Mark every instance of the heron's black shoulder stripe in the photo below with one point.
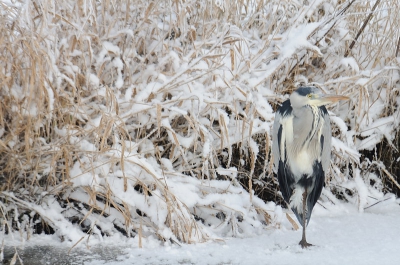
(321, 142)
(280, 141)
(285, 109)
(323, 110)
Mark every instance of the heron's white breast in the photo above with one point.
(301, 163)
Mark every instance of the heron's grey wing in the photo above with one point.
(284, 174)
(277, 138)
(326, 141)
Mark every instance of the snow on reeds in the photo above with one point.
(152, 118)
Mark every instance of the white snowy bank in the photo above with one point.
(343, 236)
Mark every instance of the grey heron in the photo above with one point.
(301, 149)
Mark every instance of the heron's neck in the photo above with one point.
(315, 125)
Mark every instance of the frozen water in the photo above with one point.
(345, 236)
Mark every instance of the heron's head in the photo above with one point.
(312, 96)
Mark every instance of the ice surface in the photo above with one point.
(343, 236)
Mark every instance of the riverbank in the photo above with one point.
(343, 236)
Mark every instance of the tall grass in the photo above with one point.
(152, 118)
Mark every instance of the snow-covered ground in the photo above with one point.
(344, 236)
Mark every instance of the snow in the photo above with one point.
(231, 172)
(351, 63)
(340, 236)
(340, 123)
(338, 145)
(108, 46)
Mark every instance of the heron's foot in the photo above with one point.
(304, 244)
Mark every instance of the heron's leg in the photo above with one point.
(303, 243)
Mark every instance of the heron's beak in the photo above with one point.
(329, 99)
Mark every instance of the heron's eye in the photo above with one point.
(309, 96)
